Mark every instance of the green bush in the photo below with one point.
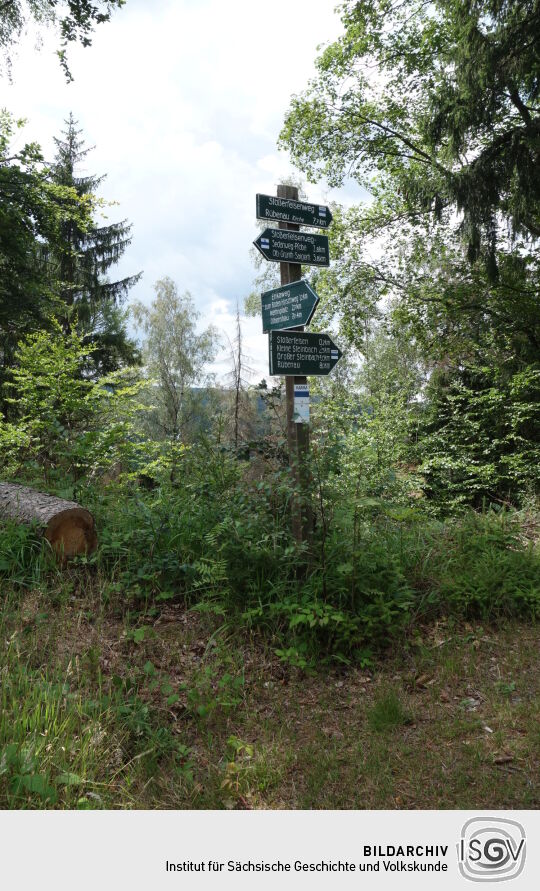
(481, 438)
(478, 566)
(218, 541)
(373, 570)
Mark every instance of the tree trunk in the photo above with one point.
(65, 524)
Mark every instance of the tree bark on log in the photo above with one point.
(65, 524)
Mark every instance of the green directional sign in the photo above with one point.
(284, 246)
(289, 306)
(301, 353)
(285, 210)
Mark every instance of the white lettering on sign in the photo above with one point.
(289, 204)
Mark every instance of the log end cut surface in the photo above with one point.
(66, 525)
(72, 532)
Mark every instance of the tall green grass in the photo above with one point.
(24, 555)
(56, 747)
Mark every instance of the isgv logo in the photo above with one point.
(491, 849)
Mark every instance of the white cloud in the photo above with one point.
(184, 100)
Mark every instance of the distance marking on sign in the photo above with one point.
(289, 306)
(285, 246)
(286, 210)
(301, 353)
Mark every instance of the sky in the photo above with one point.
(183, 101)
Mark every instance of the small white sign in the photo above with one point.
(301, 404)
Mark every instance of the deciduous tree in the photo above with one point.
(75, 21)
(434, 109)
(442, 99)
(176, 357)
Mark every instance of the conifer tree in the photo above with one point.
(34, 211)
(81, 263)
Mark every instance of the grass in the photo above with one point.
(192, 715)
(57, 747)
(115, 694)
(387, 712)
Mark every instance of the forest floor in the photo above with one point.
(182, 713)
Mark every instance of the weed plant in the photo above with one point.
(216, 541)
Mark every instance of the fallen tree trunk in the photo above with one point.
(68, 526)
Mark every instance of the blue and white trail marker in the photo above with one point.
(301, 404)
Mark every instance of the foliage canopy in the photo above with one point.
(75, 20)
(465, 136)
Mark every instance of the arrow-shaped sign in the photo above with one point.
(285, 210)
(301, 353)
(289, 306)
(285, 246)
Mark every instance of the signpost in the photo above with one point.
(302, 353)
(295, 353)
(287, 210)
(288, 306)
(286, 246)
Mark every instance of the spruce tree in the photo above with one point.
(33, 212)
(81, 264)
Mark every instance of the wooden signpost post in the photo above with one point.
(293, 352)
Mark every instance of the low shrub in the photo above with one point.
(479, 566)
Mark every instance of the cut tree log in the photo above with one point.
(65, 524)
